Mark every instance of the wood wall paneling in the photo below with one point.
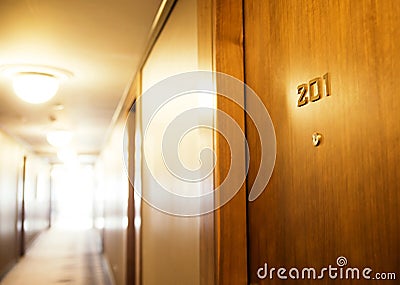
(205, 59)
(230, 220)
(133, 270)
(340, 198)
(170, 243)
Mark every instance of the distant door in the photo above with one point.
(328, 73)
(21, 209)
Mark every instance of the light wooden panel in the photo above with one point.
(170, 243)
(341, 198)
(230, 220)
(205, 61)
(133, 255)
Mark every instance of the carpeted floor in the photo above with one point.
(61, 257)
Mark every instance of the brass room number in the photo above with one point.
(314, 90)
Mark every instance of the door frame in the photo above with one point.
(223, 235)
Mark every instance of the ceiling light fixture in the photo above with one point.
(58, 107)
(67, 155)
(33, 83)
(35, 88)
(59, 138)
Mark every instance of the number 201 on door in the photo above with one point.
(314, 90)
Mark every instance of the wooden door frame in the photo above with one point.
(21, 211)
(134, 235)
(223, 234)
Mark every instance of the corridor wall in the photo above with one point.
(11, 168)
(144, 244)
(170, 241)
(112, 191)
(335, 198)
(35, 217)
(339, 198)
(37, 198)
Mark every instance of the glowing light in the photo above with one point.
(125, 222)
(99, 223)
(68, 156)
(35, 88)
(59, 138)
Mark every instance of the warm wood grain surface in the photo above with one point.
(205, 62)
(341, 198)
(231, 242)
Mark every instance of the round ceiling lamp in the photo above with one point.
(35, 88)
(33, 83)
(59, 138)
(68, 156)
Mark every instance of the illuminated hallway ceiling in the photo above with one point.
(100, 42)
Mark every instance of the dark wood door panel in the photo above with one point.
(340, 198)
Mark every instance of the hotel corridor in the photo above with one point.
(199, 142)
(61, 256)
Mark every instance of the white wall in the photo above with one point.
(113, 189)
(170, 244)
(37, 199)
(11, 162)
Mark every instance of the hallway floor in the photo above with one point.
(61, 257)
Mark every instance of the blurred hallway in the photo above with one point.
(61, 256)
(199, 142)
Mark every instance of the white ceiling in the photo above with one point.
(101, 42)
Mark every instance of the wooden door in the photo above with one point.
(341, 198)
